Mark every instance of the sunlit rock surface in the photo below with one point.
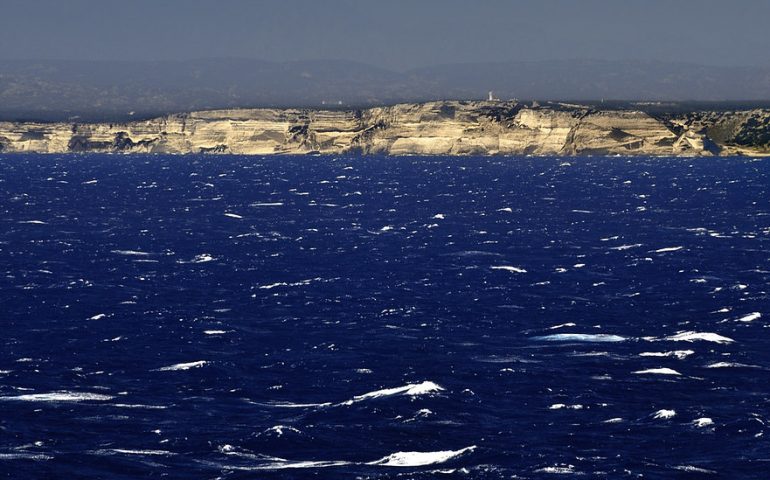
(435, 128)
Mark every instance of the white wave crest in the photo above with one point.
(668, 249)
(695, 336)
(418, 459)
(59, 397)
(658, 371)
(125, 451)
(559, 470)
(412, 389)
(131, 253)
(581, 337)
(703, 422)
(25, 456)
(731, 365)
(508, 268)
(182, 366)
(664, 414)
(678, 354)
(750, 317)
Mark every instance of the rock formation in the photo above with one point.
(435, 128)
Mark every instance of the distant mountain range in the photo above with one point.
(120, 90)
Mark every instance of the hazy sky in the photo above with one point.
(397, 34)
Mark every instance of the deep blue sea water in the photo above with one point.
(315, 317)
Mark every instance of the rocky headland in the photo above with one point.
(433, 128)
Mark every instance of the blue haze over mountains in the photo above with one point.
(101, 59)
(111, 90)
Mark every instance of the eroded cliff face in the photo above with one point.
(436, 128)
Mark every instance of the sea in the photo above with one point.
(296, 317)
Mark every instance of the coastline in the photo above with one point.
(455, 128)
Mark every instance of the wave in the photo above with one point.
(59, 397)
(397, 459)
(202, 258)
(581, 337)
(131, 253)
(695, 336)
(750, 317)
(182, 366)
(295, 405)
(731, 365)
(411, 389)
(678, 354)
(147, 407)
(626, 247)
(124, 451)
(664, 414)
(658, 371)
(508, 268)
(691, 468)
(25, 456)
(420, 459)
(279, 430)
(667, 249)
(560, 469)
(703, 422)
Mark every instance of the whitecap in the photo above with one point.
(702, 422)
(664, 414)
(59, 397)
(296, 405)
(132, 253)
(214, 332)
(412, 389)
(750, 317)
(581, 337)
(731, 365)
(657, 371)
(279, 430)
(559, 470)
(125, 451)
(626, 246)
(691, 468)
(182, 366)
(233, 215)
(33, 222)
(695, 336)
(281, 464)
(139, 406)
(25, 456)
(561, 406)
(98, 316)
(668, 249)
(202, 258)
(508, 268)
(679, 354)
(418, 459)
(556, 327)
(613, 420)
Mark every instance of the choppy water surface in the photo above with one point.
(312, 317)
